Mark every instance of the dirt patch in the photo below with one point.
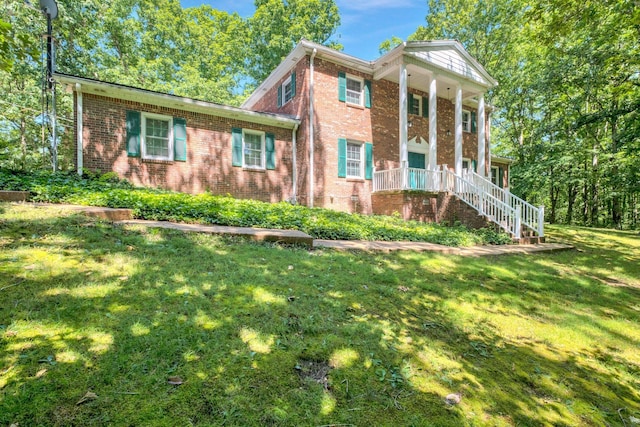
(315, 370)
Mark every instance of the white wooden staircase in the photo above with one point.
(517, 217)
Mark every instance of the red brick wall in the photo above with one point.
(334, 119)
(427, 207)
(505, 169)
(208, 166)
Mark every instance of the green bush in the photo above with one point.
(153, 204)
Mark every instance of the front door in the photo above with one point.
(417, 178)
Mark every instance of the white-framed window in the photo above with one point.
(355, 89)
(495, 175)
(253, 149)
(287, 90)
(415, 107)
(157, 137)
(466, 163)
(466, 121)
(355, 159)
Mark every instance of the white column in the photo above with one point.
(489, 143)
(433, 124)
(482, 142)
(404, 126)
(458, 122)
(79, 129)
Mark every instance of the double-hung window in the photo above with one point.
(157, 137)
(355, 159)
(354, 91)
(415, 104)
(495, 175)
(253, 149)
(466, 121)
(287, 90)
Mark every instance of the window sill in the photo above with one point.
(160, 161)
(355, 179)
(358, 106)
(244, 168)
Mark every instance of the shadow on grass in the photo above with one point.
(132, 308)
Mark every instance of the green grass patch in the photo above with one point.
(260, 334)
(152, 204)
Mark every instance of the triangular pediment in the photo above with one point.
(451, 57)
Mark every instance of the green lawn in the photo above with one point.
(268, 335)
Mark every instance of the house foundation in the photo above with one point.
(441, 207)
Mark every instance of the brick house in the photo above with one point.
(408, 132)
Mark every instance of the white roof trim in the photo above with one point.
(113, 90)
(306, 47)
(502, 160)
(302, 49)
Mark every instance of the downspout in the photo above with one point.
(311, 139)
(294, 196)
(79, 128)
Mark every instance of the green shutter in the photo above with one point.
(474, 165)
(342, 158)
(270, 149)
(425, 106)
(133, 133)
(342, 87)
(236, 142)
(279, 96)
(368, 151)
(410, 103)
(293, 84)
(474, 120)
(500, 177)
(367, 93)
(179, 139)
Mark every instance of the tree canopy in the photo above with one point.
(198, 52)
(568, 103)
(567, 109)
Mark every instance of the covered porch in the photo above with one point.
(441, 93)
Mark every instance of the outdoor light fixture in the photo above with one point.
(448, 132)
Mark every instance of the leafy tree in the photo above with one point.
(567, 104)
(277, 25)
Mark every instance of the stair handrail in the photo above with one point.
(496, 210)
(532, 216)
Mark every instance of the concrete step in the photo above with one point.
(14, 196)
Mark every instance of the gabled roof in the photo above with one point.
(445, 57)
(130, 93)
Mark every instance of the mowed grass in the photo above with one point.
(261, 334)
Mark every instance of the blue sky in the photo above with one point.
(365, 23)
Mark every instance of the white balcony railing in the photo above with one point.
(499, 205)
(408, 179)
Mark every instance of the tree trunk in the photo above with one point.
(594, 188)
(616, 211)
(23, 142)
(572, 193)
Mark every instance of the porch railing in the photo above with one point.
(408, 179)
(500, 206)
(532, 216)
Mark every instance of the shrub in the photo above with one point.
(153, 204)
